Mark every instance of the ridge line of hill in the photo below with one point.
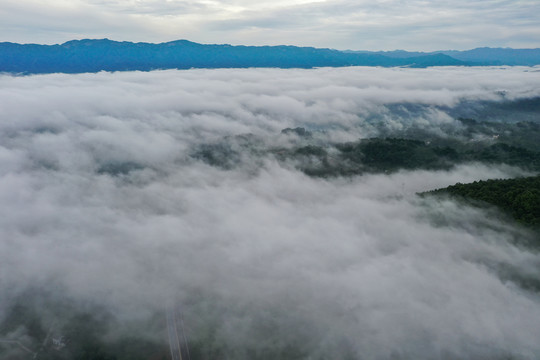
(93, 55)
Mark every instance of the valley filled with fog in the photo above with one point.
(223, 192)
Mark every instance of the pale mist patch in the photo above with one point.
(100, 201)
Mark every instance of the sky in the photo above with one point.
(422, 25)
(261, 255)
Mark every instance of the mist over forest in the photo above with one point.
(277, 209)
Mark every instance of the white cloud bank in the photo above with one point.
(265, 254)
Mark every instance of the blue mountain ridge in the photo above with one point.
(88, 55)
(479, 56)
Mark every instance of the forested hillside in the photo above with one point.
(310, 153)
(518, 197)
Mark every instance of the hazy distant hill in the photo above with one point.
(95, 55)
(479, 56)
(498, 56)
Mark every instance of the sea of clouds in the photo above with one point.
(262, 254)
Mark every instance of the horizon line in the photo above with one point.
(281, 45)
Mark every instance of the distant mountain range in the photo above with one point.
(78, 56)
(480, 56)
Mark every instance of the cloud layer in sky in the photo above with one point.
(262, 256)
(342, 24)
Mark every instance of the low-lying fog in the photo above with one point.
(358, 267)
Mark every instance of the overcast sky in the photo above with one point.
(341, 24)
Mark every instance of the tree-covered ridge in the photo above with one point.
(523, 134)
(393, 154)
(373, 155)
(518, 197)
